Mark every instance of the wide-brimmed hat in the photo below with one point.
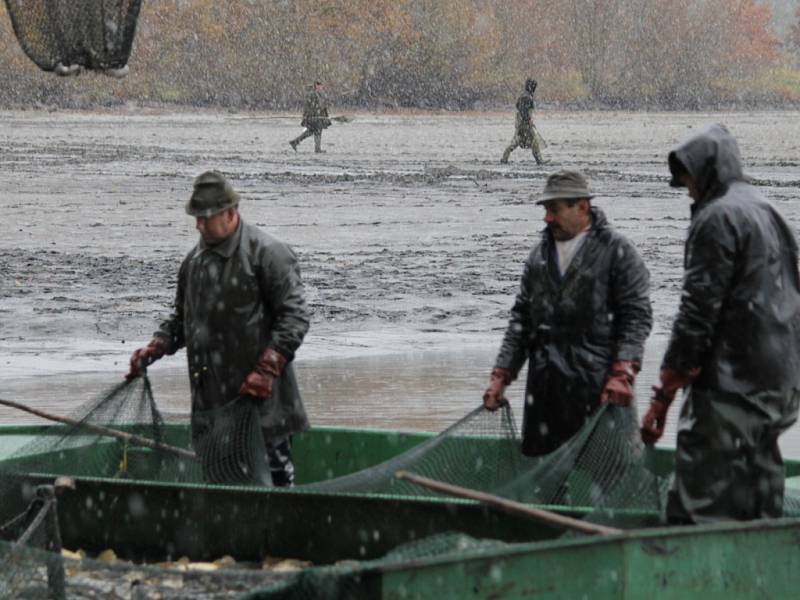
(565, 185)
(212, 194)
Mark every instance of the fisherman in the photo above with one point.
(735, 344)
(525, 134)
(581, 318)
(240, 312)
(315, 118)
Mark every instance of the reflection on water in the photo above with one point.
(410, 391)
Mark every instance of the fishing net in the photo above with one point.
(122, 435)
(604, 471)
(27, 574)
(65, 36)
(479, 451)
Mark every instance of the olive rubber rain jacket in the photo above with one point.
(234, 300)
(739, 322)
(571, 329)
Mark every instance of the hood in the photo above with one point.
(711, 156)
(599, 220)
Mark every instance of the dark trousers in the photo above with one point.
(517, 142)
(556, 407)
(728, 465)
(233, 448)
(279, 458)
(308, 133)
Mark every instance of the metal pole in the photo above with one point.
(131, 438)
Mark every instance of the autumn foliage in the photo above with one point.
(430, 53)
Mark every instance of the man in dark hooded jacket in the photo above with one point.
(240, 312)
(581, 319)
(735, 342)
(525, 134)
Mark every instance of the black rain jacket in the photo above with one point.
(571, 329)
(739, 316)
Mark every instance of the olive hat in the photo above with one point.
(212, 194)
(565, 185)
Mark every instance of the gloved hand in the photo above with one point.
(493, 397)
(619, 385)
(144, 357)
(663, 395)
(259, 382)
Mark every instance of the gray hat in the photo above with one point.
(565, 185)
(212, 194)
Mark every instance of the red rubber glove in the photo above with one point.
(663, 395)
(268, 368)
(144, 357)
(494, 396)
(619, 385)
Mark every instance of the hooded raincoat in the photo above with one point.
(571, 329)
(739, 323)
(234, 300)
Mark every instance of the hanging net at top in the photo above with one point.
(66, 36)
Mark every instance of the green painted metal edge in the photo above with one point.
(725, 561)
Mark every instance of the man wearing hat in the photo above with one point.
(240, 312)
(315, 118)
(525, 134)
(735, 343)
(581, 318)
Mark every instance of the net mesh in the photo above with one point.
(604, 474)
(604, 467)
(62, 35)
(25, 576)
(121, 434)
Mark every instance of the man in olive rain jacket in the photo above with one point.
(581, 318)
(735, 342)
(240, 312)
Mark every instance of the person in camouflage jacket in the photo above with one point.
(525, 134)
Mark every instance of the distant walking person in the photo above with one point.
(315, 118)
(735, 343)
(525, 135)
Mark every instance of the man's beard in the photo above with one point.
(558, 233)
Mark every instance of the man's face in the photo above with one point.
(565, 221)
(691, 186)
(217, 228)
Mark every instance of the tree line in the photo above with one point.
(437, 54)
